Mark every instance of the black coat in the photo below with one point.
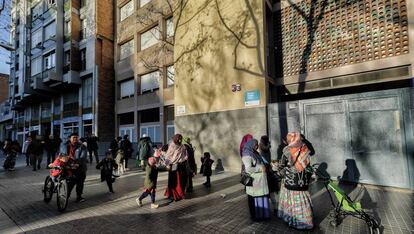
(107, 166)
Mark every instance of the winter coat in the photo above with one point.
(35, 148)
(264, 150)
(80, 156)
(255, 169)
(207, 163)
(92, 143)
(145, 149)
(191, 160)
(151, 176)
(107, 166)
(126, 146)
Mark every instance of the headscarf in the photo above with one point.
(250, 150)
(299, 152)
(245, 139)
(176, 152)
(186, 141)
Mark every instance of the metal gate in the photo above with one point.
(360, 137)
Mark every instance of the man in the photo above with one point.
(126, 146)
(35, 150)
(26, 144)
(191, 163)
(92, 143)
(78, 152)
(145, 150)
(51, 150)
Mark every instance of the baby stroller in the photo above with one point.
(345, 206)
(10, 161)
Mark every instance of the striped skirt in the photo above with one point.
(295, 208)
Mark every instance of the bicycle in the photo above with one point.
(345, 206)
(59, 186)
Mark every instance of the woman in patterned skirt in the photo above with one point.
(295, 205)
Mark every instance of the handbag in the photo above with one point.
(246, 179)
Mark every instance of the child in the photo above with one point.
(65, 163)
(107, 165)
(206, 167)
(150, 182)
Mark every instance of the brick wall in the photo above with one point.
(105, 62)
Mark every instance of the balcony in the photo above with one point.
(49, 15)
(50, 76)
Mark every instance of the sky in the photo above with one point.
(5, 21)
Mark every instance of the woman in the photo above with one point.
(177, 164)
(272, 181)
(257, 194)
(243, 142)
(295, 205)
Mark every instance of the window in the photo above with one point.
(37, 11)
(170, 27)
(170, 75)
(45, 110)
(67, 57)
(150, 37)
(170, 132)
(56, 107)
(126, 89)
(49, 61)
(150, 82)
(36, 38)
(126, 49)
(51, 2)
(71, 104)
(154, 132)
(50, 30)
(36, 66)
(83, 29)
(67, 27)
(83, 59)
(127, 10)
(82, 3)
(143, 2)
(87, 95)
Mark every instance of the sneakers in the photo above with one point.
(139, 202)
(154, 206)
(80, 199)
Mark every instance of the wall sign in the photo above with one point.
(252, 98)
(180, 110)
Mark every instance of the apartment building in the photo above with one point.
(62, 67)
(144, 69)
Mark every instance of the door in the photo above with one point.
(377, 141)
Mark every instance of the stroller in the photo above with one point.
(10, 161)
(345, 206)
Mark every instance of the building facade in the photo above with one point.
(144, 69)
(62, 68)
(340, 72)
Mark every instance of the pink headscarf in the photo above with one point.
(245, 139)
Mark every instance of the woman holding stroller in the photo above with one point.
(295, 205)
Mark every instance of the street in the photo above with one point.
(219, 209)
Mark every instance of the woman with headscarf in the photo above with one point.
(295, 205)
(176, 160)
(244, 140)
(257, 194)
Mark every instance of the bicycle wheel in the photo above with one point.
(62, 195)
(48, 189)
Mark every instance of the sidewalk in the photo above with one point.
(220, 209)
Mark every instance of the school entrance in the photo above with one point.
(365, 137)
